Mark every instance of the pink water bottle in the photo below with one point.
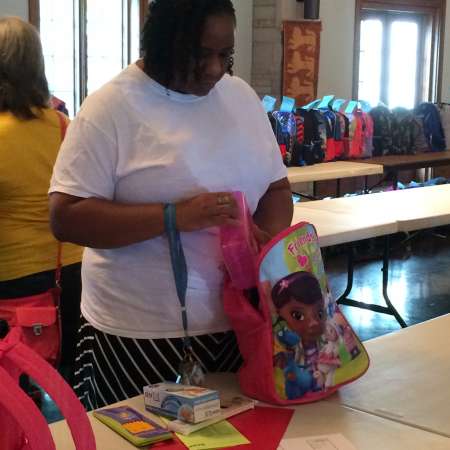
(239, 248)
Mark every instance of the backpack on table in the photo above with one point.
(296, 344)
(382, 131)
(312, 149)
(444, 111)
(432, 126)
(356, 137)
(367, 131)
(331, 123)
(405, 132)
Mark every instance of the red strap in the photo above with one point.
(48, 378)
(63, 126)
(62, 123)
(58, 266)
(23, 410)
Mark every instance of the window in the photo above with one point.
(397, 51)
(86, 43)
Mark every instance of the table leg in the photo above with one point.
(350, 271)
(394, 180)
(389, 309)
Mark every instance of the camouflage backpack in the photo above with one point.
(382, 131)
(405, 131)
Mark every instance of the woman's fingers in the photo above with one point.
(207, 210)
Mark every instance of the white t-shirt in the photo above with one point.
(134, 141)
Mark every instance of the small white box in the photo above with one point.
(189, 403)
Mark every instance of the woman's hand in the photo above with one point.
(206, 210)
(275, 208)
(262, 237)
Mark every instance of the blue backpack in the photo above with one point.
(432, 126)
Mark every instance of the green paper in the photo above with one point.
(218, 435)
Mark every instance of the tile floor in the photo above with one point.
(419, 281)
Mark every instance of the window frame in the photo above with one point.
(80, 66)
(435, 10)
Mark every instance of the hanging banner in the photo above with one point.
(301, 51)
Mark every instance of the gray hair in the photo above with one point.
(23, 84)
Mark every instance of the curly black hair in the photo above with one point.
(172, 32)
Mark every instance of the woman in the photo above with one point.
(174, 129)
(30, 136)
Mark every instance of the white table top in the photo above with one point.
(424, 207)
(340, 227)
(408, 380)
(364, 431)
(365, 216)
(332, 170)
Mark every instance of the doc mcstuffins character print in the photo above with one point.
(312, 342)
(296, 345)
(300, 306)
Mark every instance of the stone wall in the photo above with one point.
(267, 43)
(266, 70)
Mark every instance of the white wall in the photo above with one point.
(336, 53)
(244, 39)
(14, 8)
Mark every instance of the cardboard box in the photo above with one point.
(189, 403)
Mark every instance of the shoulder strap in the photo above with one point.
(63, 126)
(48, 378)
(25, 413)
(19, 406)
(62, 123)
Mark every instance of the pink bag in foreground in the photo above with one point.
(296, 345)
(22, 425)
(239, 248)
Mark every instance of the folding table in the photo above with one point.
(333, 170)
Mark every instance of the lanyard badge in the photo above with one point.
(190, 370)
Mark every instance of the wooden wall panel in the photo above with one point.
(301, 52)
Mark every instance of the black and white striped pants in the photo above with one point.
(110, 368)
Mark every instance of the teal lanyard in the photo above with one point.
(178, 265)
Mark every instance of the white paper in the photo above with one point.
(323, 442)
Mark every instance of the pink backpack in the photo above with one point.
(296, 345)
(239, 248)
(21, 423)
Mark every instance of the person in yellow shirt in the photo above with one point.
(30, 136)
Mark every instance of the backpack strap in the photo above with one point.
(48, 378)
(63, 127)
(62, 124)
(23, 410)
(20, 407)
